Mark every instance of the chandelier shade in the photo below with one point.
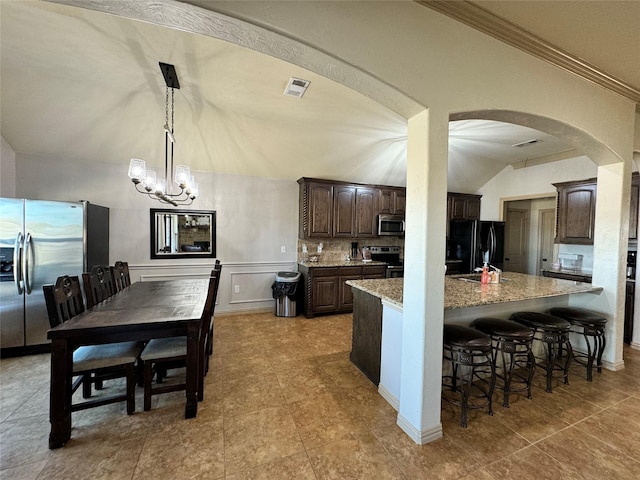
(145, 179)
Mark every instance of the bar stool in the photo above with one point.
(512, 342)
(591, 325)
(472, 369)
(554, 332)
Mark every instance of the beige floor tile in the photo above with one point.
(252, 393)
(94, 456)
(563, 405)
(622, 380)
(618, 430)
(28, 471)
(528, 420)
(629, 408)
(189, 448)
(356, 458)
(324, 419)
(343, 373)
(478, 474)
(25, 440)
(531, 463)
(592, 458)
(365, 402)
(443, 459)
(295, 467)
(485, 438)
(260, 437)
(328, 420)
(598, 392)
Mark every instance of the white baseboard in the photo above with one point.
(421, 437)
(613, 366)
(389, 397)
(246, 311)
(635, 345)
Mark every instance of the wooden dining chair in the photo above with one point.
(209, 349)
(120, 275)
(98, 284)
(161, 354)
(113, 360)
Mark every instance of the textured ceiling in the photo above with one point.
(85, 85)
(603, 33)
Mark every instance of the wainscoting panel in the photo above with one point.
(244, 286)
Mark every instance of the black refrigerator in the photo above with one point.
(474, 242)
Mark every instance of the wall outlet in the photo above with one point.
(283, 249)
(236, 289)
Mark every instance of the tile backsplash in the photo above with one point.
(585, 250)
(337, 249)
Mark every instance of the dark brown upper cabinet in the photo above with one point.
(576, 212)
(392, 201)
(463, 206)
(332, 209)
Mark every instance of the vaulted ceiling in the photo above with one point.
(85, 85)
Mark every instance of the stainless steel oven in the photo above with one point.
(390, 255)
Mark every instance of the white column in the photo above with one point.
(610, 255)
(423, 301)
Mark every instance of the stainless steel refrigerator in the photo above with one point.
(39, 241)
(475, 242)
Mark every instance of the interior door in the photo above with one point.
(516, 240)
(546, 235)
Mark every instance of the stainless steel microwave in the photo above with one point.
(391, 225)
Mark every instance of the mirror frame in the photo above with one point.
(153, 212)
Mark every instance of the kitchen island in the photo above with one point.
(377, 315)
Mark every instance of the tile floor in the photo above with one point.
(283, 401)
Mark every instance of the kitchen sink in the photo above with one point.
(476, 278)
(471, 278)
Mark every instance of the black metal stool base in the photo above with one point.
(512, 346)
(554, 333)
(472, 378)
(591, 326)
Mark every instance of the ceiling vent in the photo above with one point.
(296, 87)
(527, 143)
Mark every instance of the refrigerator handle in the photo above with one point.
(17, 263)
(25, 264)
(492, 244)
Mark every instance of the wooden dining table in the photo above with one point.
(142, 311)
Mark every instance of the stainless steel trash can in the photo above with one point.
(286, 291)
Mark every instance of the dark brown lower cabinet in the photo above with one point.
(324, 291)
(628, 311)
(345, 295)
(366, 346)
(325, 288)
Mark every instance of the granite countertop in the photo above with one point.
(463, 294)
(340, 263)
(578, 273)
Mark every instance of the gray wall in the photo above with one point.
(255, 218)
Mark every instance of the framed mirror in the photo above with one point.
(183, 233)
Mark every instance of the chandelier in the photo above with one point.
(146, 180)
